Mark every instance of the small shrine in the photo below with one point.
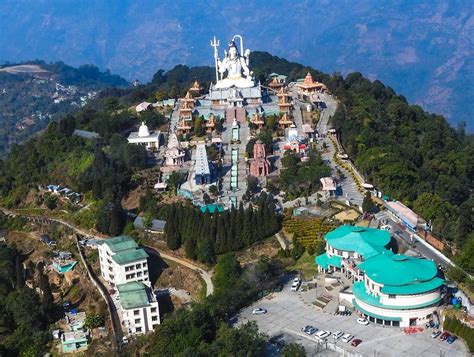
(145, 137)
(259, 166)
(211, 123)
(309, 85)
(183, 126)
(195, 89)
(174, 154)
(185, 112)
(189, 100)
(285, 121)
(275, 84)
(257, 120)
(284, 104)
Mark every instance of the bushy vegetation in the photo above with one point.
(204, 330)
(307, 231)
(299, 178)
(205, 235)
(410, 155)
(459, 329)
(24, 315)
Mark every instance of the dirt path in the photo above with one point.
(204, 274)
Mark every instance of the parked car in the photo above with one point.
(309, 330)
(322, 335)
(362, 321)
(337, 335)
(356, 342)
(259, 311)
(451, 339)
(347, 337)
(444, 336)
(435, 334)
(296, 284)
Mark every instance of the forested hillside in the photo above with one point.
(405, 152)
(32, 94)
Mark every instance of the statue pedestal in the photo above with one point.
(222, 98)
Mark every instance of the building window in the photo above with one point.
(145, 272)
(137, 321)
(139, 274)
(391, 296)
(136, 312)
(138, 266)
(138, 329)
(144, 265)
(153, 309)
(154, 318)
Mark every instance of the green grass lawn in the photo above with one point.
(306, 266)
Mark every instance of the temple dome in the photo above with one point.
(143, 131)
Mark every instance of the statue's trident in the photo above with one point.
(215, 43)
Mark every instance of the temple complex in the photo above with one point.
(259, 166)
(183, 127)
(145, 137)
(188, 100)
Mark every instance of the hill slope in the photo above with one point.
(33, 94)
(423, 49)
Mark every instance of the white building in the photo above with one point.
(145, 137)
(121, 261)
(389, 289)
(139, 308)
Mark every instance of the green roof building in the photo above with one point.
(389, 289)
(139, 307)
(123, 261)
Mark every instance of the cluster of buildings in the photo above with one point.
(124, 266)
(65, 192)
(77, 337)
(387, 288)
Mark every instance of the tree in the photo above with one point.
(367, 203)
(50, 201)
(93, 320)
(213, 190)
(293, 350)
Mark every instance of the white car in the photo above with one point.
(259, 311)
(322, 335)
(347, 337)
(362, 321)
(296, 284)
(337, 335)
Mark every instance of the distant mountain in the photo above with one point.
(34, 93)
(423, 48)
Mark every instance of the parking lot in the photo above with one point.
(289, 311)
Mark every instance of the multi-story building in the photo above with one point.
(139, 308)
(389, 289)
(122, 261)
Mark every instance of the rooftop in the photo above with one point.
(398, 269)
(121, 243)
(156, 224)
(365, 241)
(129, 256)
(202, 163)
(133, 295)
(324, 261)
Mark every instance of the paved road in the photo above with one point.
(288, 312)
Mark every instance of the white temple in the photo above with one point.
(150, 139)
(235, 85)
(174, 155)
